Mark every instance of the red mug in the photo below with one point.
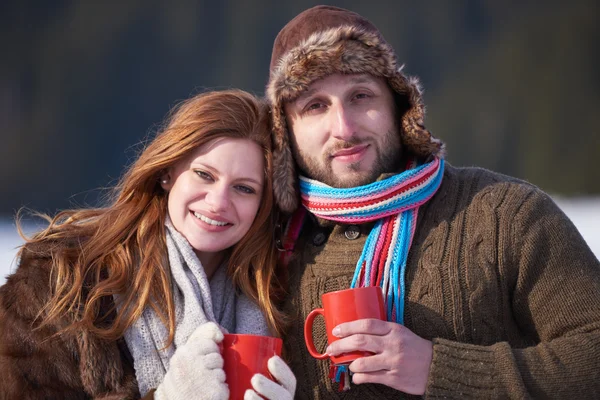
(344, 306)
(244, 356)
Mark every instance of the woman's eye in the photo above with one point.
(204, 175)
(245, 189)
(361, 96)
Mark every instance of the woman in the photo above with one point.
(124, 301)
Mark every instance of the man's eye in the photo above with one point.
(361, 96)
(313, 107)
(245, 189)
(204, 175)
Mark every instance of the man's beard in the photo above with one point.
(387, 159)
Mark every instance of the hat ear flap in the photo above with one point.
(284, 167)
(415, 137)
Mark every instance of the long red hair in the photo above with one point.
(120, 249)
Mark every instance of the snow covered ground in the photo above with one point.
(584, 212)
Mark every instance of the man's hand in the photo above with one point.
(400, 359)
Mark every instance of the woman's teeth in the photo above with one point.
(208, 220)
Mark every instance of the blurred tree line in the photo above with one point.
(511, 86)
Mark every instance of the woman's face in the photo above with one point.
(215, 194)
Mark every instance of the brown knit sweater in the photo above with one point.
(497, 277)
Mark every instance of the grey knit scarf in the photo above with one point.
(196, 301)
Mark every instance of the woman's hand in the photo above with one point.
(196, 368)
(283, 389)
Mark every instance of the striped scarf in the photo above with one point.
(394, 204)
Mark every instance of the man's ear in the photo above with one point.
(165, 181)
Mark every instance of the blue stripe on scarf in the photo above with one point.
(368, 253)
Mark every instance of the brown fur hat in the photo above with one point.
(319, 42)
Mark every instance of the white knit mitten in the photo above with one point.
(284, 389)
(196, 368)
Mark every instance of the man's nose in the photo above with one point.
(342, 124)
(217, 198)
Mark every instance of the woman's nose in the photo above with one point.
(217, 198)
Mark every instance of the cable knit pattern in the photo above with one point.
(497, 277)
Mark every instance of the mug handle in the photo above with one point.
(308, 325)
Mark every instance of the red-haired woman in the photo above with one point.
(130, 300)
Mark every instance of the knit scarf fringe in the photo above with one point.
(394, 203)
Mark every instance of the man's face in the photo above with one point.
(344, 131)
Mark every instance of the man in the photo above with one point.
(491, 291)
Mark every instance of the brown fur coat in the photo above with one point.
(35, 365)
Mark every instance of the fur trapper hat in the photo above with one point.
(321, 41)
